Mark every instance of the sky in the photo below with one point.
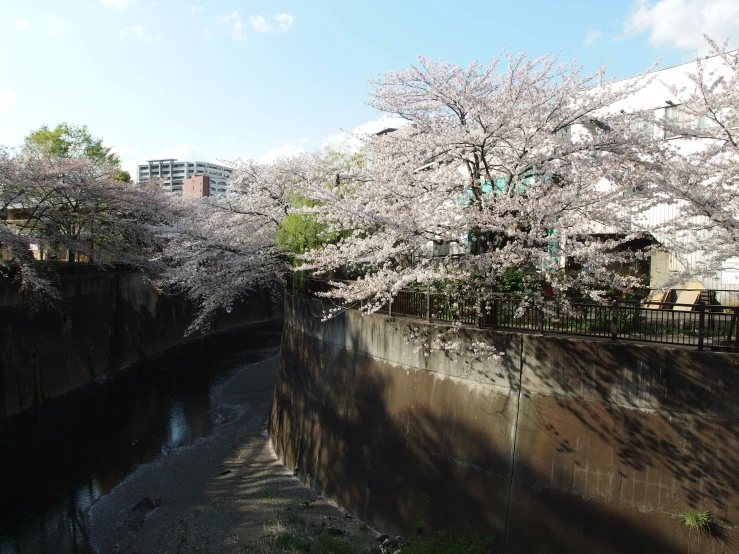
(220, 79)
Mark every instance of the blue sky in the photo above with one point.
(226, 78)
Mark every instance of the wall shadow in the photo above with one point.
(660, 423)
(56, 459)
(102, 324)
(585, 459)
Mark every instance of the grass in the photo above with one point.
(698, 522)
(448, 542)
(297, 534)
(294, 519)
(327, 544)
(299, 542)
(444, 541)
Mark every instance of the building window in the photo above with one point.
(642, 129)
(675, 119)
(441, 249)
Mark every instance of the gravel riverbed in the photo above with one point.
(226, 493)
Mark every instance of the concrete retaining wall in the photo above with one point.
(561, 445)
(104, 323)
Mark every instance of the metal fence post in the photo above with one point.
(614, 321)
(390, 306)
(701, 324)
(428, 303)
(540, 319)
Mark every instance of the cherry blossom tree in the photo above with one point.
(501, 167)
(219, 249)
(56, 205)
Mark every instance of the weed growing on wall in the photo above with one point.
(443, 541)
(698, 522)
(448, 542)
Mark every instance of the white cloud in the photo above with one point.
(54, 26)
(206, 32)
(237, 27)
(20, 23)
(7, 99)
(137, 31)
(119, 4)
(284, 21)
(591, 37)
(682, 23)
(281, 152)
(140, 33)
(196, 9)
(259, 24)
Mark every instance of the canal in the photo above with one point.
(57, 459)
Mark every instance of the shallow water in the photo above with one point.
(58, 458)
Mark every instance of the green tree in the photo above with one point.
(298, 233)
(122, 176)
(69, 141)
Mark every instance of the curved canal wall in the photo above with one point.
(560, 445)
(103, 323)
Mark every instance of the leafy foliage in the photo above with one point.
(298, 233)
(69, 141)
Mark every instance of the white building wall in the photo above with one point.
(173, 172)
(656, 97)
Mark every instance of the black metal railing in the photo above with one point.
(698, 324)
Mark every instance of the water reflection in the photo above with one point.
(55, 461)
(178, 430)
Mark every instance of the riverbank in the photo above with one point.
(225, 493)
(103, 324)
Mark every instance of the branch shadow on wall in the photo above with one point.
(659, 424)
(375, 437)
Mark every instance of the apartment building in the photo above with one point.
(663, 98)
(173, 172)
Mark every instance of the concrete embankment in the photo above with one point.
(559, 445)
(103, 324)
